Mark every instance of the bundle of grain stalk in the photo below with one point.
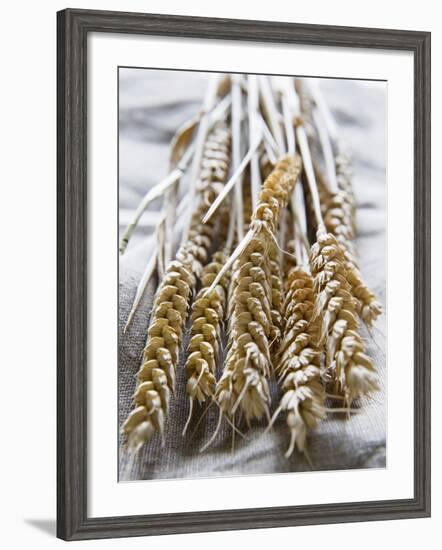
(259, 301)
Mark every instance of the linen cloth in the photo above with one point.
(152, 104)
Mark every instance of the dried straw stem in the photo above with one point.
(156, 377)
(252, 329)
(299, 361)
(347, 362)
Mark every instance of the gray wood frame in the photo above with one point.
(73, 27)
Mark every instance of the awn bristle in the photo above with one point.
(298, 368)
(252, 298)
(350, 367)
(156, 376)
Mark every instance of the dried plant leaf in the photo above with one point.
(182, 139)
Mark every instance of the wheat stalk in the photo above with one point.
(276, 289)
(347, 362)
(299, 361)
(316, 322)
(339, 206)
(339, 219)
(243, 384)
(344, 181)
(208, 314)
(254, 123)
(156, 376)
(236, 120)
(181, 153)
(153, 193)
(271, 112)
(299, 356)
(368, 306)
(351, 368)
(201, 138)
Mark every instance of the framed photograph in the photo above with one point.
(243, 274)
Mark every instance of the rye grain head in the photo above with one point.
(254, 302)
(348, 365)
(156, 376)
(299, 368)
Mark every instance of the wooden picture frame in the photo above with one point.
(73, 27)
